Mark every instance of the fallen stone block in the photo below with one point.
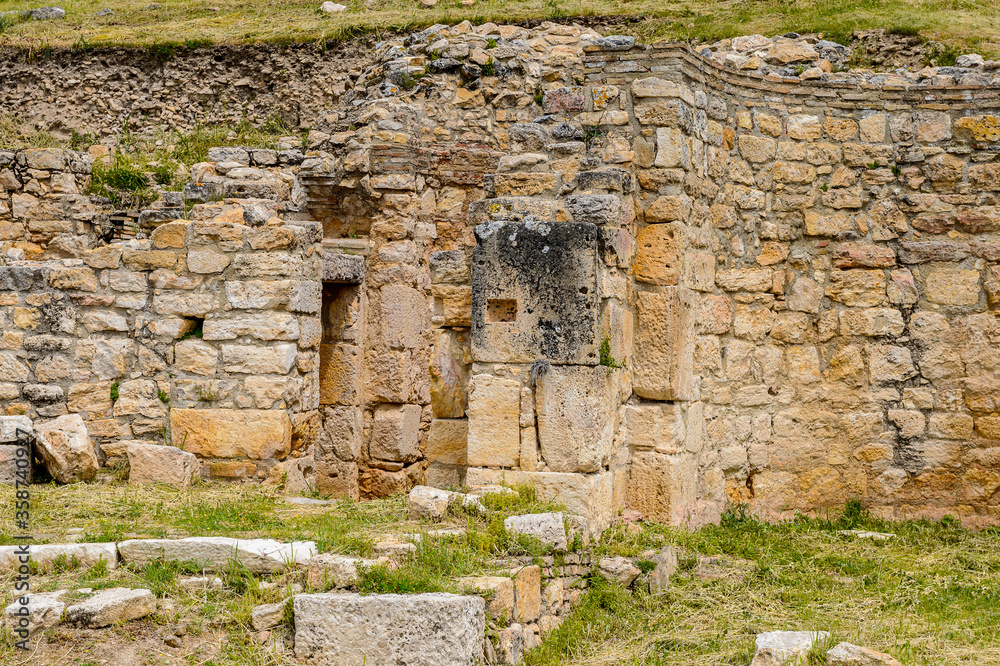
(426, 503)
(259, 556)
(434, 629)
(776, 648)
(65, 446)
(864, 534)
(200, 583)
(267, 616)
(45, 610)
(151, 463)
(666, 564)
(112, 606)
(618, 570)
(330, 570)
(548, 528)
(846, 654)
(45, 555)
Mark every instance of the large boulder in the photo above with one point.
(45, 555)
(152, 463)
(66, 449)
(112, 606)
(435, 629)
(259, 556)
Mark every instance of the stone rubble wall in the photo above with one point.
(799, 276)
(205, 335)
(97, 92)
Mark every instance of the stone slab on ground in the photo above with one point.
(43, 555)
(846, 654)
(776, 648)
(44, 610)
(426, 503)
(548, 528)
(259, 556)
(112, 606)
(266, 616)
(435, 629)
(619, 570)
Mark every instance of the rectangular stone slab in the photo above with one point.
(257, 555)
(435, 629)
(86, 554)
(534, 293)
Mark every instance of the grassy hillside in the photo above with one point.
(963, 23)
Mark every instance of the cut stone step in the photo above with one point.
(259, 556)
(43, 555)
(435, 629)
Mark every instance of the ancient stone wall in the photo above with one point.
(205, 335)
(638, 276)
(98, 92)
(798, 278)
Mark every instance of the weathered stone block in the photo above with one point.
(494, 421)
(430, 629)
(447, 441)
(661, 486)
(500, 589)
(395, 433)
(230, 433)
(277, 360)
(339, 374)
(658, 255)
(534, 293)
(952, 286)
(577, 410)
(150, 463)
(259, 556)
(527, 593)
(66, 449)
(664, 345)
(196, 357)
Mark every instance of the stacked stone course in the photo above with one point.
(635, 276)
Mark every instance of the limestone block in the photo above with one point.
(671, 148)
(196, 357)
(228, 433)
(434, 629)
(757, 149)
(786, 647)
(342, 479)
(494, 421)
(329, 570)
(846, 654)
(500, 589)
(267, 616)
(111, 606)
(340, 434)
(150, 463)
(449, 266)
(339, 374)
(888, 363)
(658, 427)
(261, 325)
(403, 314)
(452, 305)
(534, 293)
(45, 555)
(45, 610)
(952, 286)
(527, 593)
(548, 528)
(577, 410)
(183, 305)
(663, 352)
(395, 433)
(618, 570)
(449, 375)
(661, 486)
(447, 441)
(658, 255)
(253, 360)
(66, 449)
(857, 287)
(259, 556)
(871, 322)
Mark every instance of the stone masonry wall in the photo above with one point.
(799, 278)
(637, 276)
(206, 335)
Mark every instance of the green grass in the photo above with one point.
(928, 596)
(184, 24)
